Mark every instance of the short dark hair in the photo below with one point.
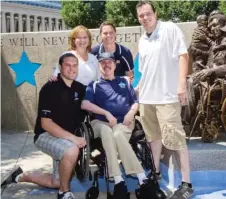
(107, 23)
(65, 55)
(141, 3)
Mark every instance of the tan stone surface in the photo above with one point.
(187, 29)
(19, 104)
(10, 53)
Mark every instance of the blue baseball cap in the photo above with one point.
(106, 55)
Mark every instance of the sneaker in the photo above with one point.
(149, 190)
(183, 192)
(12, 177)
(66, 195)
(120, 191)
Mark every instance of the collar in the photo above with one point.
(154, 34)
(107, 80)
(118, 49)
(61, 81)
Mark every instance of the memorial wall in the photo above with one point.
(35, 55)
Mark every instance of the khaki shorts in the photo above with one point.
(163, 121)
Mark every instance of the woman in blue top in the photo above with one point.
(124, 58)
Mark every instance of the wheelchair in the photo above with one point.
(210, 116)
(140, 147)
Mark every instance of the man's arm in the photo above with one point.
(134, 108)
(220, 71)
(55, 130)
(183, 71)
(129, 117)
(128, 59)
(130, 75)
(89, 106)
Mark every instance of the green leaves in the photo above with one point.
(87, 13)
(222, 6)
(183, 11)
(123, 13)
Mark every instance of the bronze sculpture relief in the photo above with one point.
(206, 110)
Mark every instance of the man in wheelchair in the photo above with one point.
(114, 104)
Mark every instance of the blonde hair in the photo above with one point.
(74, 34)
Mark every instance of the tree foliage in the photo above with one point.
(123, 13)
(222, 6)
(87, 13)
(182, 11)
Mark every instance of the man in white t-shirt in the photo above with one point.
(163, 64)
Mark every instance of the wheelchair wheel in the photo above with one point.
(137, 193)
(82, 167)
(209, 133)
(92, 193)
(90, 130)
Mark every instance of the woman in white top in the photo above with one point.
(80, 43)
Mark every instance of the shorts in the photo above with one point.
(54, 147)
(163, 121)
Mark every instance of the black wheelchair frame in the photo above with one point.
(140, 147)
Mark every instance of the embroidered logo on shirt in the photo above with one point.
(46, 112)
(76, 96)
(156, 37)
(122, 85)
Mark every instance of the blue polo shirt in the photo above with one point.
(115, 96)
(124, 58)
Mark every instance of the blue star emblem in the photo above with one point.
(122, 85)
(25, 70)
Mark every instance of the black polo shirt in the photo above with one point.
(123, 56)
(62, 104)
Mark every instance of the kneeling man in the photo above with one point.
(114, 104)
(59, 114)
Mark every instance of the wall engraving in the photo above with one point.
(64, 40)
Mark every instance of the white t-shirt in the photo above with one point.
(88, 71)
(159, 64)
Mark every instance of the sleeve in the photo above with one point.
(45, 102)
(179, 46)
(95, 50)
(98, 73)
(57, 70)
(133, 97)
(139, 58)
(83, 92)
(128, 58)
(90, 94)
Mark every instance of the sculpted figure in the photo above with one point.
(201, 43)
(217, 57)
(215, 67)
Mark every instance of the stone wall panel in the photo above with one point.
(19, 104)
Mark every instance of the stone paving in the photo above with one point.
(17, 149)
